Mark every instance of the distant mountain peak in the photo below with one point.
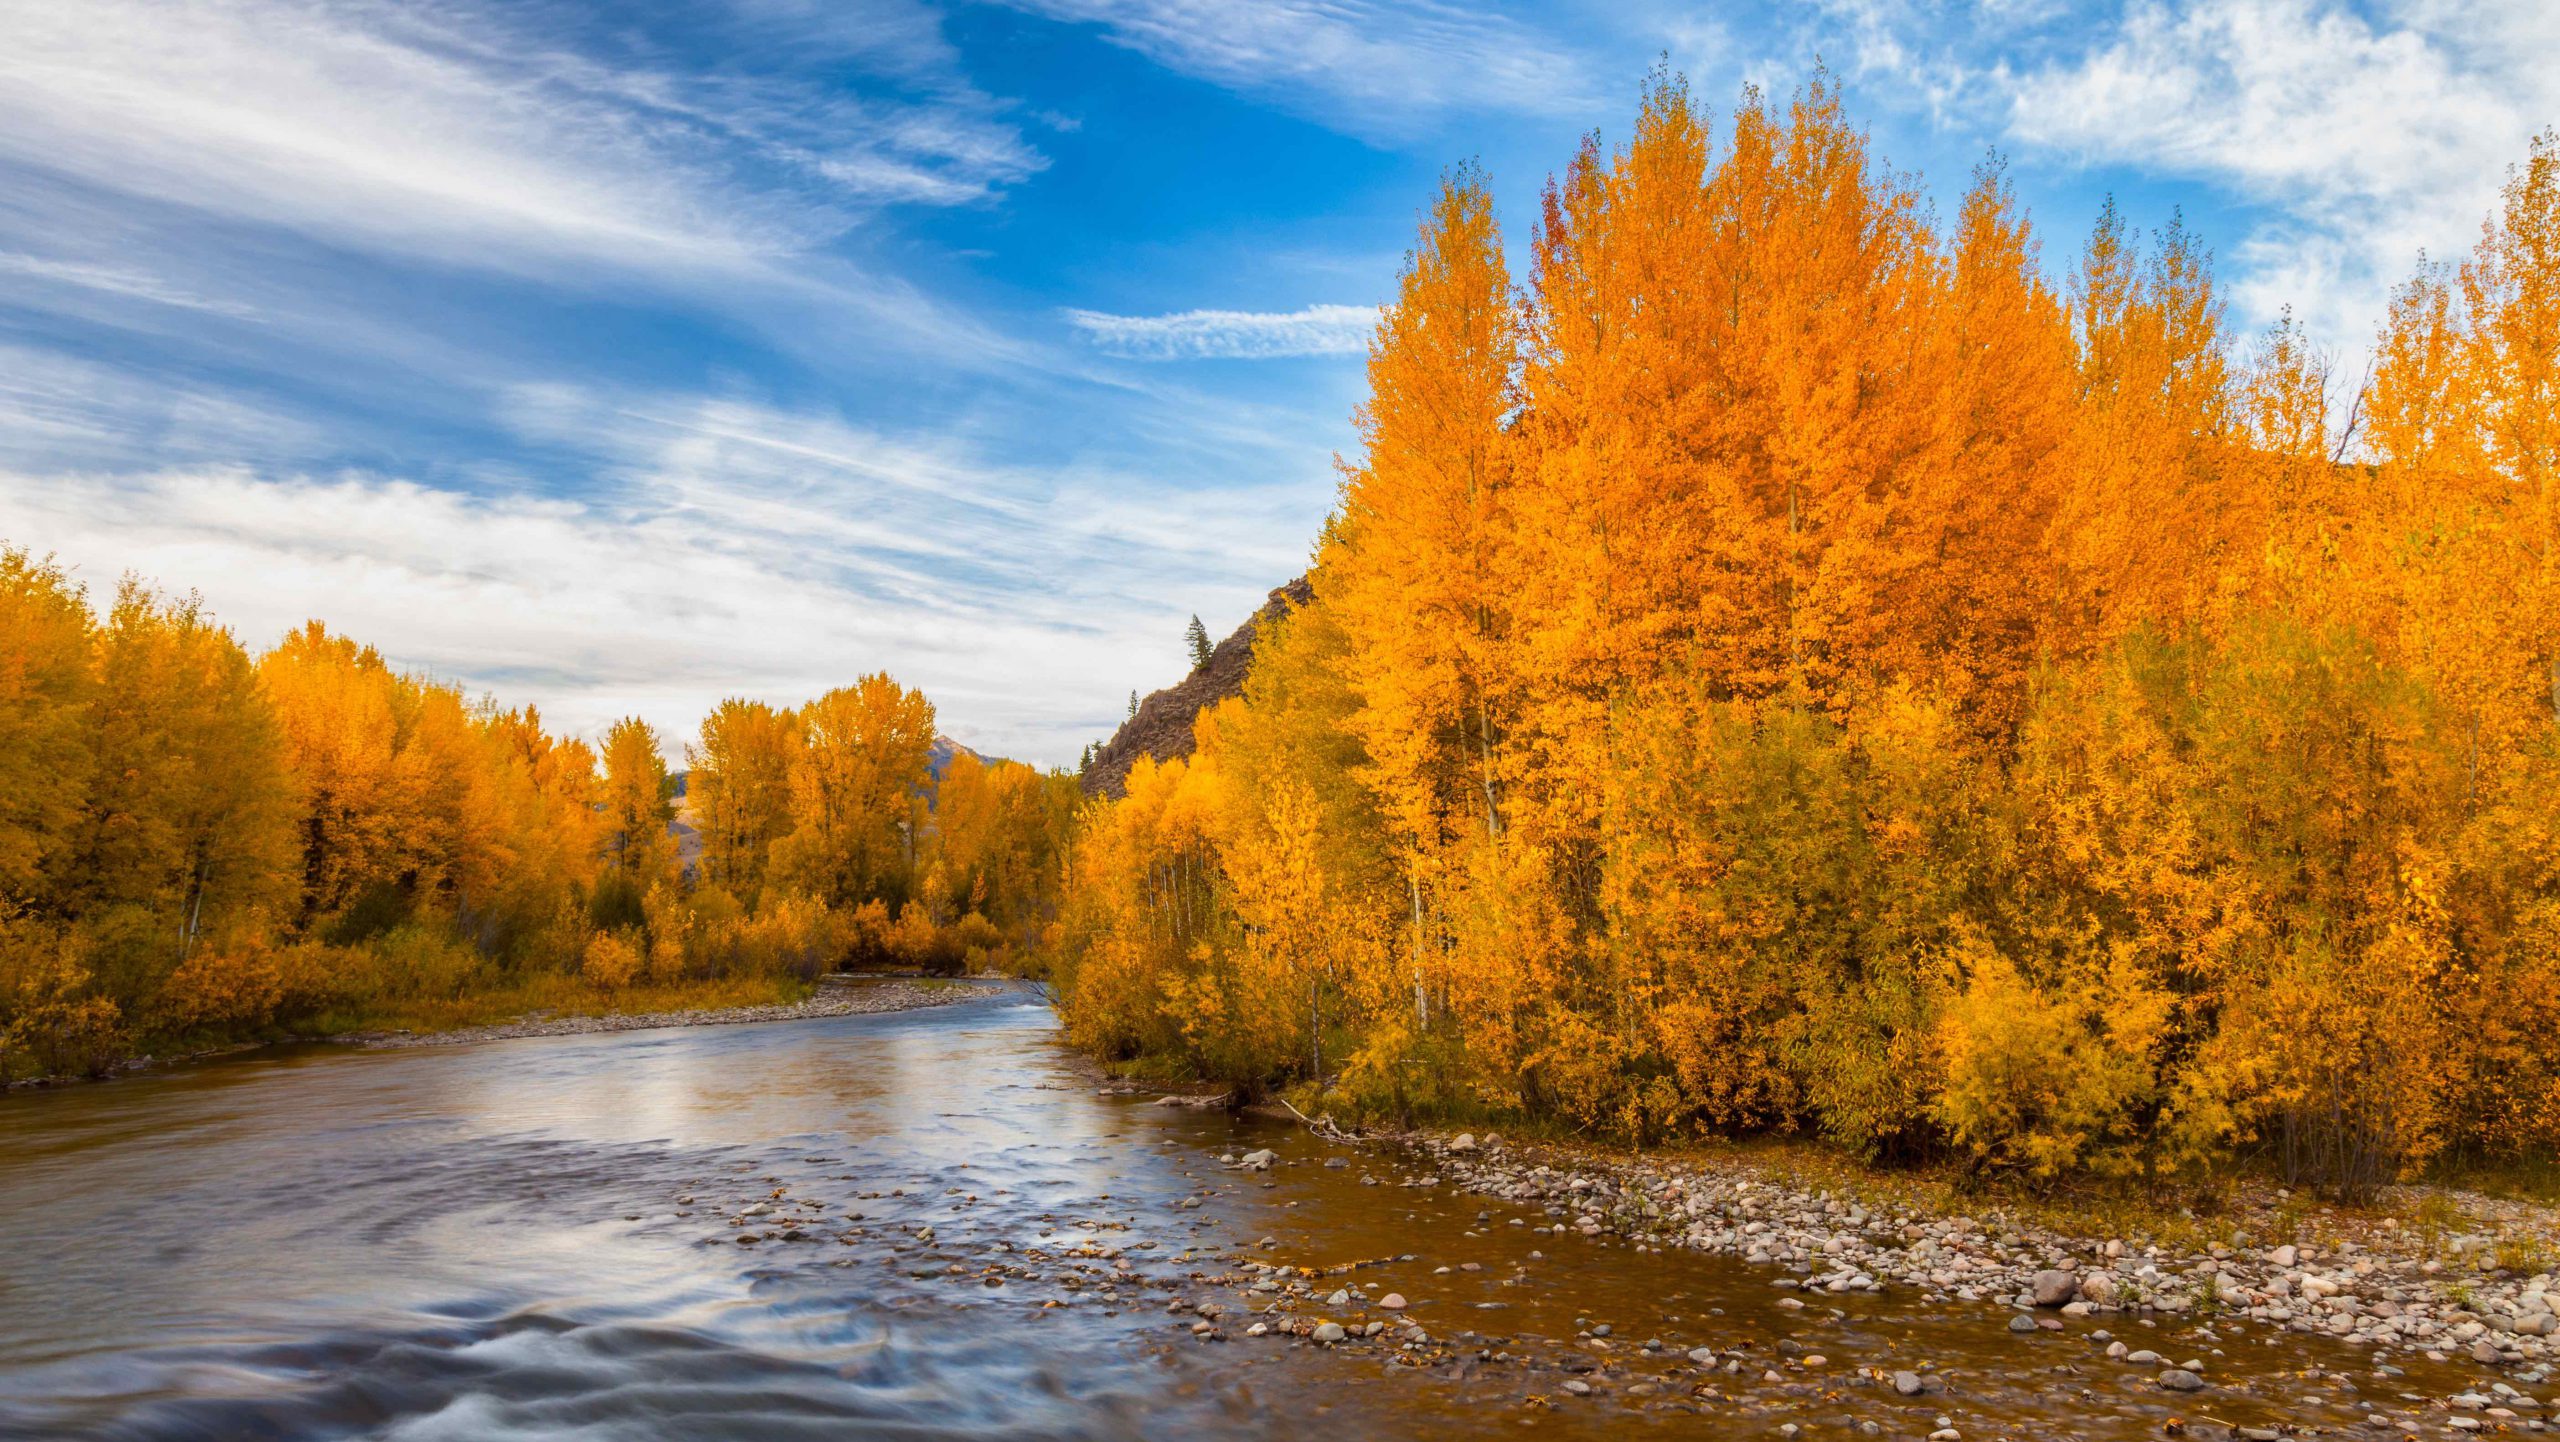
(944, 752)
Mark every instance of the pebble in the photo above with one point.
(2392, 1287)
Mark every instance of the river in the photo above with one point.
(959, 1236)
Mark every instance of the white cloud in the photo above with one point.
(1355, 64)
(1231, 334)
(731, 549)
(59, 410)
(448, 135)
(114, 281)
(2368, 137)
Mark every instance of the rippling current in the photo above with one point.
(554, 1238)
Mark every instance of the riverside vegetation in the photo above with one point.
(1788, 668)
(199, 847)
(1791, 667)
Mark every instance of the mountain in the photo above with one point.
(1162, 727)
(938, 760)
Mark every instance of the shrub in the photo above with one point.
(48, 1015)
(229, 988)
(2038, 1080)
(611, 961)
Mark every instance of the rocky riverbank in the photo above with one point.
(836, 996)
(2452, 1277)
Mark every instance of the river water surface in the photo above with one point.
(553, 1237)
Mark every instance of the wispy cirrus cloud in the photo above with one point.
(1360, 65)
(720, 545)
(347, 212)
(1231, 334)
(112, 280)
(739, 551)
(456, 134)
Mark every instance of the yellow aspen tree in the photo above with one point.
(338, 708)
(46, 688)
(858, 785)
(187, 824)
(1973, 593)
(2511, 288)
(1410, 567)
(738, 788)
(636, 805)
(2149, 449)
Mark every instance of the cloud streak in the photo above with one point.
(446, 134)
(1357, 65)
(726, 547)
(1318, 330)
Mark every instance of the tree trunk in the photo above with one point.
(1421, 1000)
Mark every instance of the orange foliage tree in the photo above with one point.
(1790, 668)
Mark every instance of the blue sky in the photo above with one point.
(619, 358)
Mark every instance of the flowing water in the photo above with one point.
(551, 1238)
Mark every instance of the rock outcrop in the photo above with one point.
(1162, 727)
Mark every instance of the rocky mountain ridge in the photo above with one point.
(1162, 726)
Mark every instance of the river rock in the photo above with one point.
(1392, 1302)
(2179, 1379)
(1330, 1332)
(2022, 1323)
(2098, 1289)
(1259, 1161)
(2053, 1288)
(1466, 1142)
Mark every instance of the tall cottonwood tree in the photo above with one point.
(1413, 561)
(858, 788)
(637, 804)
(738, 785)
